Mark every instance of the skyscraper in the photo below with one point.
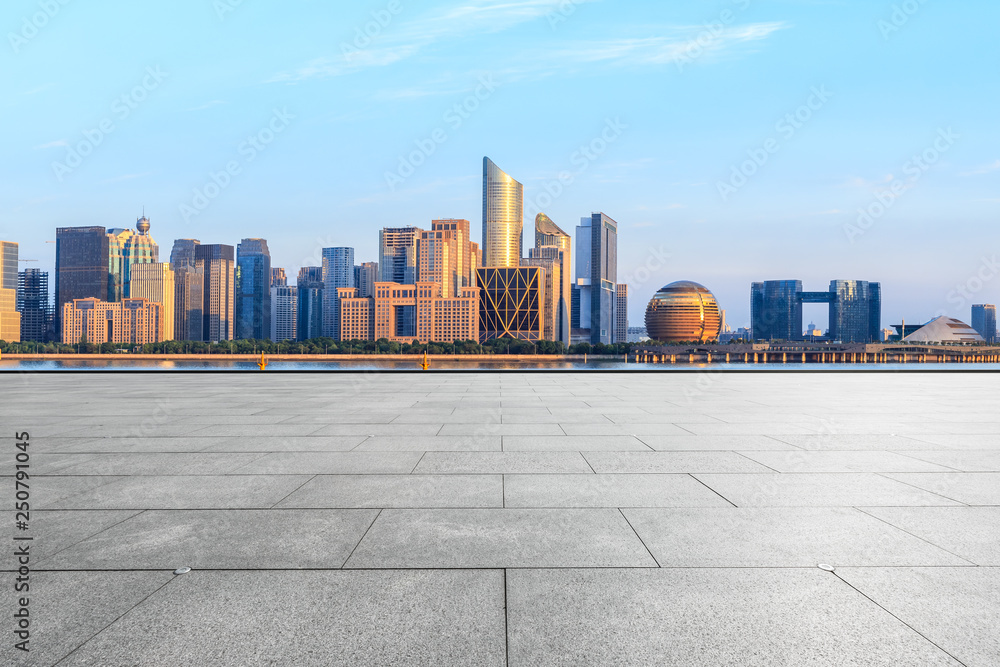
(253, 290)
(155, 283)
(549, 259)
(126, 248)
(189, 291)
(447, 256)
(397, 255)
(218, 268)
(855, 311)
(596, 277)
(338, 271)
(984, 320)
(278, 277)
(621, 314)
(309, 289)
(284, 313)
(34, 305)
(503, 217)
(776, 310)
(549, 235)
(365, 276)
(81, 267)
(10, 317)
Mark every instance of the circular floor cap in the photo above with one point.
(182, 570)
(827, 568)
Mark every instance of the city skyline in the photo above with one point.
(657, 107)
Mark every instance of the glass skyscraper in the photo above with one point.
(776, 310)
(984, 320)
(397, 255)
(217, 266)
(253, 290)
(10, 317)
(34, 305)
(125, 248)
(189, 291)
(596, 278)
(855, 311)
(338, 271)
(309, 290)
(81, 267)
(551, 241)
(503, 217)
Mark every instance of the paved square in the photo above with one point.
(509, 518)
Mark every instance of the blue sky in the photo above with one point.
(733, 141)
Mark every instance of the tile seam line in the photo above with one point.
(865, 511)
(925, 637)
(289, 494)
(641, 541)
(343, 566)
(695, 477)
(118, 618)
(885, 475)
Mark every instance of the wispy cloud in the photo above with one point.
(985, 169)
(464, 20)
(126, 177)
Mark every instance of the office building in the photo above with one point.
(855, 311)
(253, 290)
(548, 235)
(10, 316)
(189, 291)
(81, 267)
(447, 256)
(397, 255)
(407, 313)
(131, 321)
(217, 264)
(984, 320)
(34, 305)
(309, 290)
(365, 277)
(338, 271)
(125, 249)
(683, 312)
(155, 283)
(278, 277)
(551, 265)
(503, 218)
(596, 276)
(621, 314)
(855, 308)
(511, 303)
(284, 313)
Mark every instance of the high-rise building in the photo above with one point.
(155, 283)
(278, 277)
(135, 321)
(776, 310)
(552, 282)
(365, 277)
(81, 267)
(217, 263)
(596, 277)
(125, 249)
(189, 291)
(447, 256)
(549, 235)
(253, 290)
(511, 303)
(397, 255)
(284, 313)
(407, 313)
(309, 289)
(34, 305)
(855, 310)
(621, 314)
(338, 271)
(10, 317)
(984, 320)
(503, 217)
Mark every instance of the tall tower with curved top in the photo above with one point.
(503, 217)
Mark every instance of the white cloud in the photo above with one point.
(61, 143)
(985, 169)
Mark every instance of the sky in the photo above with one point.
(733, 141)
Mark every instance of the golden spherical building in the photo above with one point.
(683, 312)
